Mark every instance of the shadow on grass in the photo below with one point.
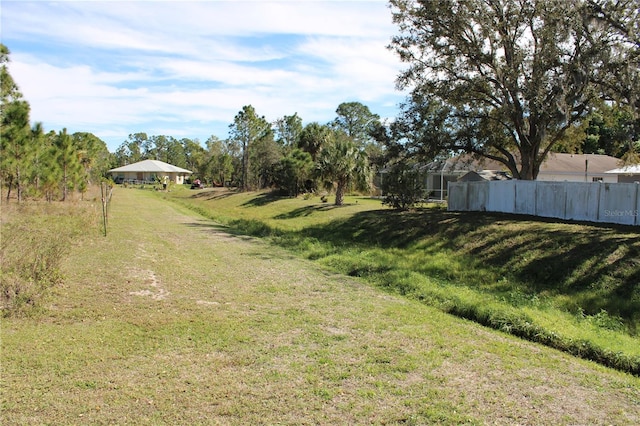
(263, 199)
(213, 227)
(214, 194)
(586, 268)
(305, 211)
(594, 266)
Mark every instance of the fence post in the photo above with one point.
(636, 212)
(564, 207)
(106, 191)
(535, 197)
(599, 204)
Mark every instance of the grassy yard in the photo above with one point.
(173, 319)
(570, 286)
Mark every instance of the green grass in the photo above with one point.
(568, 285)
(285, 213)
(171, 319)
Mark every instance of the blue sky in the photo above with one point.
(184, 69)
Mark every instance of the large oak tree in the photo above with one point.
(503, 79)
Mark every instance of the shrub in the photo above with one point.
(403, 187)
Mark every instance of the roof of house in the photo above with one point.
(555, 162)
(577, 163)
(626, 170)
(463, 164)
(153, 166)
(473, 176)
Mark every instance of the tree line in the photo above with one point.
(285, 154)
(508, 80)
(257, 154)
(39, 164)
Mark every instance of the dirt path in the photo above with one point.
(171, 320)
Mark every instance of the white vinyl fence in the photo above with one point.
(584, 201)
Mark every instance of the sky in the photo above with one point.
(185, 69)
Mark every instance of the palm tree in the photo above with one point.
(343, 166)
(313, 137)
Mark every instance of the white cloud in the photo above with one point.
(191, 66)
(362, 64)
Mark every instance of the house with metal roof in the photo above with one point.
(149, 171)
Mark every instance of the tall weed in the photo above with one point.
(33, 241)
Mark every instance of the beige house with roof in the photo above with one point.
(149, 171)
(578, 168)
(557, 167)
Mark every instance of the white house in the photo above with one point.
(578, 168)
(557, 167)
(147, 171)
(626, 174)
